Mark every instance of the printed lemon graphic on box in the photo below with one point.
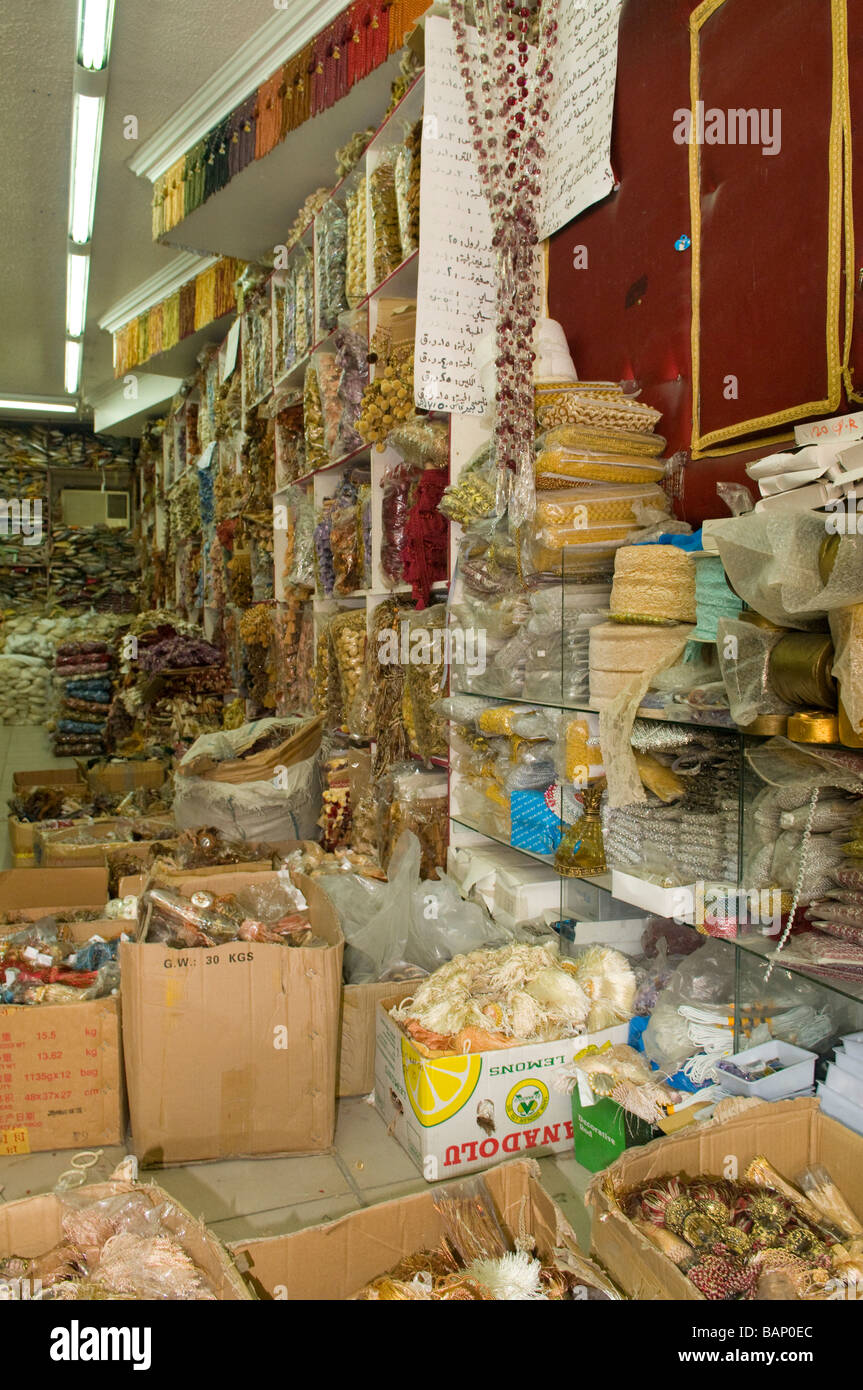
(438, 1090)
(527, 1101)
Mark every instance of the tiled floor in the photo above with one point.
(249, 1197)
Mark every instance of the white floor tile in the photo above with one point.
(220, 1191)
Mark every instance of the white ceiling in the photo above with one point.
(162, 52)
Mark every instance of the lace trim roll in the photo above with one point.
(653, 582)
(628, 657)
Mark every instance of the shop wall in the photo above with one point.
(770, 328)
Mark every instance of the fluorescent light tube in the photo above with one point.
(95, 20)
(86, 143)
(73, 366)
(45, 407)
(77, 279)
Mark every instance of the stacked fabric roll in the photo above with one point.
(85, 669)
(621, 651)
(653, 584)
(597, 469)
(94, 566)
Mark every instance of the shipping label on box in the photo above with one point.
(61, 1080)
(458, 1114)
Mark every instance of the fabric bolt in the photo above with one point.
(241, 146)
(654, 582)
(187, 309)
(268, 114)
(154, 330)
(205, 297)
(159, 192)
(318, 74)
(196, 161)
(171, 321)
(142, 349)
(714, 599)
(174, 191)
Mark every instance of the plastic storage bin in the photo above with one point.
(798, 1072)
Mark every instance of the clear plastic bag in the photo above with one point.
(352, 363)
(331, 231)
(419, 802)
(355, 268)
(426, 678)
(130, 1245)
(398, 486)
(346, 541)
(386, 241)
(406, 925)
(329, 377)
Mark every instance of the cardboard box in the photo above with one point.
(358, 1015)
(432, 1106)
(41, 891)
(231, 1051)
(334, 1261)
(357, 1037)
(61, 1070)
(792, 1134)
(126, 776)
(58, 848)
(22, 832)
(33, 1226)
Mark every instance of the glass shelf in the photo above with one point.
(598, 880)
(673, 714)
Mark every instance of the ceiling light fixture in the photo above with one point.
(73, 366)
(95, 20)
(86, 144)
(77, 280)
(44, 407)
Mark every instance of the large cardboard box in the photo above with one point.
(336, 1260)
(792, 1134)
(357, 1037)
(33, 1226)
(61, 1070)
(232, 1051)
(22, 832)
(455, 1115)
(358, 1016)
(127, 776)
(40, 891)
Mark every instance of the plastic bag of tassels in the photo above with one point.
(120, 1241)
(696, 1011)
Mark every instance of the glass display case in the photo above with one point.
(655, 808)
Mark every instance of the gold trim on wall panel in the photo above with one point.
(840, 37)
(702, 443)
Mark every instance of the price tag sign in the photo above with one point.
(840, 429)
(14, 1141)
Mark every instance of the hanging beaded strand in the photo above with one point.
(798, 886)
(507, 118)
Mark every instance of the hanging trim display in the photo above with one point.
(352, 46)
(199, 302)
(506, 86)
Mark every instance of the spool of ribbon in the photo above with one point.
(714, 598)
(800, 670)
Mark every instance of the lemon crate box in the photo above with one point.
(458, 1114)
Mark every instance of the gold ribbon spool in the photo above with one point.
(800, 670)
(767, 725)
(749, 615)
(813, 727)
